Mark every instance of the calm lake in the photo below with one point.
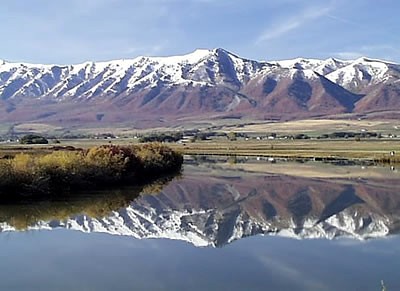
(224, 224)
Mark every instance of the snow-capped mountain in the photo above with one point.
(322, 67)
(197, 84)
(361, 73)
(93, 79)
(211, 209)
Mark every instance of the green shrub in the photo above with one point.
(33, 139)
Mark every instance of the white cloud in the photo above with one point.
(293, 22)
(348, 55)
(383, 51)
(145, 50)
(343, 20)
(380, 47)
(282, 29)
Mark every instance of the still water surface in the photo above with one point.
(249, 225)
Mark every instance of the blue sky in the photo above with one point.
(72, 31)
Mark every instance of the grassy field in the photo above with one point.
(378, 150)
(37, 128)
(368, 149)
(311, 127)
(315, 127)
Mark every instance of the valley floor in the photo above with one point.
(371, 150)
(376, 150)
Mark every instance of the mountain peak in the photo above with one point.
(221, 50)
(200, 82)
(372, 60)
(190, 58)
(365, 60)
(336, 61)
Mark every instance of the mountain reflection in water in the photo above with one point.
(217, 202)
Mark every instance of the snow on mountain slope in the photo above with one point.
(92, 79)
(202, 82)
(322, 67)
(359, 74)
(353, 75)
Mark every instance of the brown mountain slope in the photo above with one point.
(198, 85)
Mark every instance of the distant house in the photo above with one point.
(186, 139)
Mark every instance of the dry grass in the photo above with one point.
(368, 149)
(377, 150)
(310, 126)
(320, 126)
(36, 128)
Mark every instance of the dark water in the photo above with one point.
(221, 226)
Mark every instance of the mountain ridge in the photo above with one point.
(197, 84)
(205, 51)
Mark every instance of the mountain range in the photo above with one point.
(203, 84)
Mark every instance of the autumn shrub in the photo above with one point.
(22, 171)
(156, 157)
(103, 163)
(95, 167)
(58, 169)
(6, 173)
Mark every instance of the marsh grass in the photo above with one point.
(57, 172)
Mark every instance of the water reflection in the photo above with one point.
(28, 214)
(217, 202)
